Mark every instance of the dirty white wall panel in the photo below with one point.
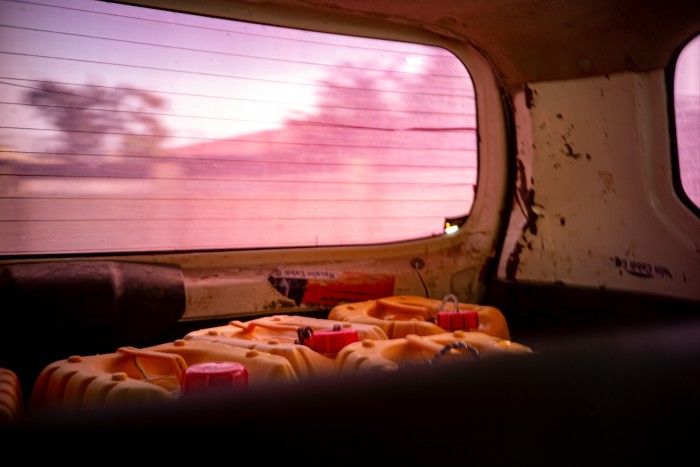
(587, 212)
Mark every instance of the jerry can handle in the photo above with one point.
(406, 308)
(458, 345)
(449, 298)
(441, 350)
(248, 327)
(178, 363)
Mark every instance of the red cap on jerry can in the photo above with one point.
(457, 320)
(208, 376)
(330, 342)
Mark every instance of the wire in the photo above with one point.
(418, 263)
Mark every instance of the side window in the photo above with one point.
(128, 129)
(687, 115)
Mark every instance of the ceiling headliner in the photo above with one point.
(538, 40)
(525, 40)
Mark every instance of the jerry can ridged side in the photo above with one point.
(11, 399)
(131, 375)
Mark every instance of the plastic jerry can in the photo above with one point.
(402, 315)
(261, 368)
(392, 354)
(309, 344)
(284, 328)
(131, 375)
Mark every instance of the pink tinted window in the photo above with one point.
(687, 109)
(126, 129)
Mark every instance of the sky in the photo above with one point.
(687, 77)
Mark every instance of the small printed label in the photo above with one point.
(304, 274)
(326, 289)
(642, 268)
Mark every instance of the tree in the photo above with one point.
(100, 120)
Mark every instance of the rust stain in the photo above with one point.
(456, 250)
(607, 180)
(569, 150)
(525, 197)
(529, 97)
(513, 262)
(279, 304)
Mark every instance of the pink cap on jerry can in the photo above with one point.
(214, 376)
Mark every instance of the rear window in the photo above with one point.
(127, 129)
(687, 117)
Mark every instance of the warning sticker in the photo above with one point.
(326, 289)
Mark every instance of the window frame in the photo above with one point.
(205, 246)
(678, 187)
(230, 283)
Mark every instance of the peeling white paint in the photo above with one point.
(582, 141)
